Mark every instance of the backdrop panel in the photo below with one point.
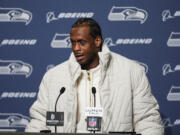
(34, 37)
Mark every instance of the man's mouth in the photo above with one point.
(79, 57)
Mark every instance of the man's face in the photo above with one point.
(85, 47)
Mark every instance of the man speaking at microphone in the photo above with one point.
(122, 89)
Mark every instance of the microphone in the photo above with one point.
(60, 93)
(94, 93)
(94, 115)
(55, 118)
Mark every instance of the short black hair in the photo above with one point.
(95, 29)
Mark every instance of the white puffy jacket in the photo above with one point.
(125, 96)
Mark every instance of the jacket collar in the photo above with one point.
(104, 59)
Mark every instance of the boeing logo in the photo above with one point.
(18, 42)
(50, 16)
(15, 15)
(125, 41)
(174, 94)
(18, 95)
(166, 69)
(167, 123)
(15, 67)
(177, 122)
(174, 39)
(61, 41)
(166, 15)
(127, 14)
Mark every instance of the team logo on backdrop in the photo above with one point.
(15, 15)
(174, 39)
(127, 14)
(166, 69)
(13, 121)
(61, 41)
(145, 66)
(124, 41)
(167, 123)
(15, 67)
(174, 94)
(49, 66)
(18, 42)
(166, 15)
(50, 16)
(18, 95)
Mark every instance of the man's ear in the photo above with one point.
(98, 41)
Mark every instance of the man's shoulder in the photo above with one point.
(59, 69)
(126, 67)
(125, 62)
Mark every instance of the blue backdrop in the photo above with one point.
(34, 37)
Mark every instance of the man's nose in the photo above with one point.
(76, 46)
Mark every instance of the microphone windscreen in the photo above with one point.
(93, 90)
(62, 90)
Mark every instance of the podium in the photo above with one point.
(27, 133)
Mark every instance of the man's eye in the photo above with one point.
(72, 43)
(82, 42)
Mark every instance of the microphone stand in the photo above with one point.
(94, 94)
(61, 92)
